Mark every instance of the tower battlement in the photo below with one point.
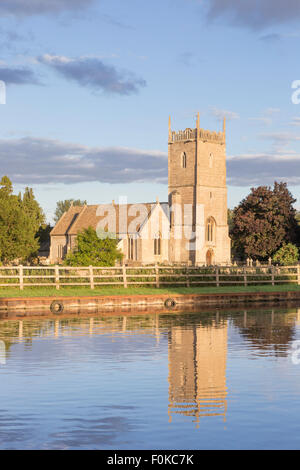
(192, 134)
(197, 134)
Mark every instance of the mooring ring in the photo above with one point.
(56, 306)
(170, 303)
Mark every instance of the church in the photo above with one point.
(191, 228)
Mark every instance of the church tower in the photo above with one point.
(198, 196)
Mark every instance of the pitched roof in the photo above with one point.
(114, 217)
(66, 221)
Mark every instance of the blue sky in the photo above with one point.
(91, 83)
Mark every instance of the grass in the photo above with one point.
(109, 291)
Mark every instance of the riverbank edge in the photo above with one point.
(98, 303)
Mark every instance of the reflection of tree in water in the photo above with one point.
(264, 330)
(267, 331)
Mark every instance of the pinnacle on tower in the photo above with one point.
(198, 123)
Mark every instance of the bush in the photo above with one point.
(94, 251)
(286, 255)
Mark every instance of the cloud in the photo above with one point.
(295, 121)
(255, 14)
(36, 161)
(91, 72)
(271, 111)
(263, 169)
(265, 120)
(270, 38)
(221, 113)
(187, 58)
(267, 116)
(18, 76)
(280, 138)
(37, 7)
(33, 161)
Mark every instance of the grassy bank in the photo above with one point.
(85, 291)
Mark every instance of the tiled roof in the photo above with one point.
(106, 216)
(66, 221)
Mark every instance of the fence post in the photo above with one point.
(157, 276)
(124, 276)
(298, 274)
(92, 277)
(187, 271)
(245, 277)
(273, 276)
(217, 276)
(21, 277)
(57, 277)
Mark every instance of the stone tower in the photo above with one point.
(198, 196)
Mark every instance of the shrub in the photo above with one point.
(94, 251)
(286, 255)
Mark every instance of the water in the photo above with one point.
(204, 380)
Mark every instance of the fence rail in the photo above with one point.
(62, 276)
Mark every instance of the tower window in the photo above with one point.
(210, 229)
(183, 160)
(211, 160)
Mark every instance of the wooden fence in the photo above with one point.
(61, 276)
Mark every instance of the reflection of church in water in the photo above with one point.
(197, 371)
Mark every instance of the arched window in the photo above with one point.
(157, 244)
(132, 248)
(210, 229)
(183, 160)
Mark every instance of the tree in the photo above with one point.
(64, 206)
(18, 225)
(94, 251)
(33, 209)
(264, 221)
(286, 255)
(230, 220)
(43, 234)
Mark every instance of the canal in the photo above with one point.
(218, 379)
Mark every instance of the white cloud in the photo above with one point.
(221, 113)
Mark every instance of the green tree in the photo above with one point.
(287, 255)
(17, 237)
(94, 251)
(43, 233)
(33, 210)
(6, 187)
(64, 206)
(264, 221)
(230, 220)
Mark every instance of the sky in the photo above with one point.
(90, 85)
